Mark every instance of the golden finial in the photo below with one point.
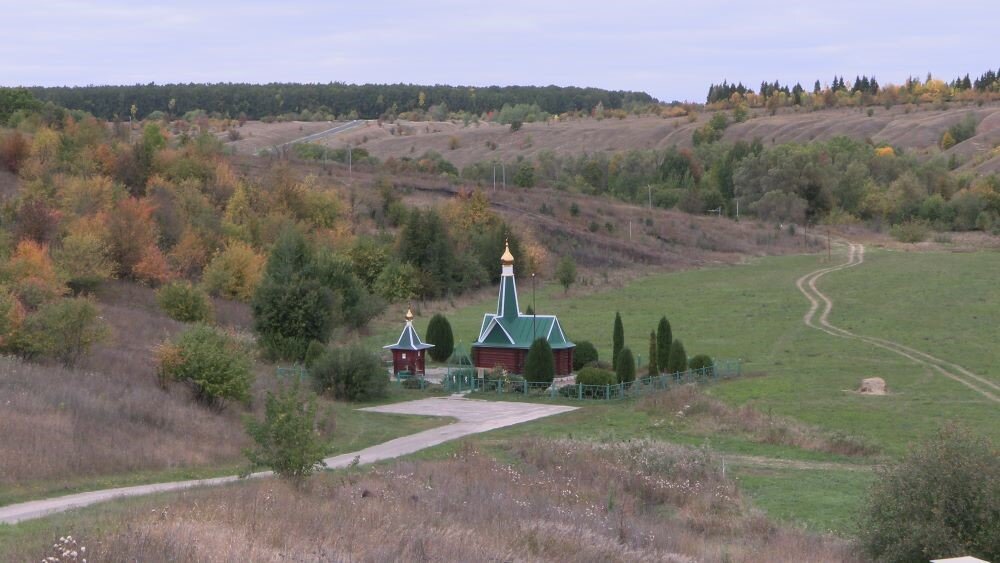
(507, 259)
(409, 314)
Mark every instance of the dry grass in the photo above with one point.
(689, 406)
(555, 501)
(61, 425)
(65, 426)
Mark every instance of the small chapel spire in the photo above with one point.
(409, 314)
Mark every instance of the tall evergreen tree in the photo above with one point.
(678, 358)
(625, 370)
(652, 354)
(540, 365)
(617, 340)
(664, 337)
(440, 335)
(291, 308)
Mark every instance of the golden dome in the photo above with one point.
(507, 259)
(409, 314)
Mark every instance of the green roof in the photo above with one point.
(520, 331)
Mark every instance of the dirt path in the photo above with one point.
(817, 299)
(779, 463)
(473, 416)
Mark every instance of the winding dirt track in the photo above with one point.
(818, 300)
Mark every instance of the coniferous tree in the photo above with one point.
(664, 337)
(617, 340)
(625, 370)
(440, 335)
(678, 358)
(291, 308)
(540, 365)
(652, 354)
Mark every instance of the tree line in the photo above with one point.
(368, 101)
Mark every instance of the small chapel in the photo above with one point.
(506, 336)
(408, 351)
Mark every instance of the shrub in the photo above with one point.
(584, 354)
(64, 330)
(540, 365)
(677, 362)
(910, 231)
(183, 302)
(701, 361)
(350, 373)
(596, 376)
(566, 272)
(574, 209)
(286, 440)
(213, 363)
(83, 259)
(235, 272)
(625, 370)
(941, 500)
(439, 334)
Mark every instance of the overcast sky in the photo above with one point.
(673, 50)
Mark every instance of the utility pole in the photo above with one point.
(534, 313)
(737, 209)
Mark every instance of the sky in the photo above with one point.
(672, 50)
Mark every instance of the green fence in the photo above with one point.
(722, 369)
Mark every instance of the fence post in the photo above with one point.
(607, 392)
(525, 387)
(579, 391)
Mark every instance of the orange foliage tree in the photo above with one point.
(131, 231)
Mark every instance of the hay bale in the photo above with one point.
(872, 386)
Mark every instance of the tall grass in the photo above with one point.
(688, 405)
(553, 501)
(61, 424)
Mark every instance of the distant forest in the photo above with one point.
(368, 101)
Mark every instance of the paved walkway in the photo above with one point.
(473, 417)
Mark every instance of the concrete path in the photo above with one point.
(473, 417)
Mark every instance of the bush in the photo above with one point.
(350, 373)
(701, 361)
(625, 370)
(596, 376)
(677, 362)
(540, 365)
(286, 441)
(439, 334)
(213, 363)
(64, 330)
(235, 272)
(910, 231)
(584, 354)
(183, 302)
(941, 500)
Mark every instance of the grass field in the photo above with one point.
(942, 303)
(938, 302)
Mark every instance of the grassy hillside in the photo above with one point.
(917, 128)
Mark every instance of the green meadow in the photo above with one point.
(943, 303)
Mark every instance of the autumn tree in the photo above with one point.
(131, 233)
